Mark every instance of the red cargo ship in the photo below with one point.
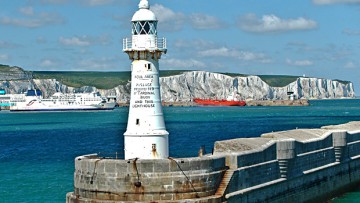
(223, 102)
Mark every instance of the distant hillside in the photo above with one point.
(13, 73)
(108, 80)
(101, 80)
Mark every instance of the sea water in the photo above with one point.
(37, 149)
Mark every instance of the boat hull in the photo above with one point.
(33, 101)
(44, 107)
(210, 102)
(57, 109)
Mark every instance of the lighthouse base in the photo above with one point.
(101, 180)
(146, 147)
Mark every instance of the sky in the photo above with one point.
(315, 38)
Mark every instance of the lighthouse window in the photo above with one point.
(153, 27)
(148, 66)
(144, 27)
(136, 28)
(137, 121)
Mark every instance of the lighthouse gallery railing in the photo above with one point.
(160, 43)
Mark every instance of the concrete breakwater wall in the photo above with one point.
(302, 165)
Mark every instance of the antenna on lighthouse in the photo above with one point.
(146, 136)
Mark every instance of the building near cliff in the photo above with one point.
(291, 166)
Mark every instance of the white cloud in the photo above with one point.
(325, 2)
(82, 2)
(41, 40)
(233, 53)
(351, 32)
(189, 64)
(299, 62)
(199, 44)
(7, 45)
(54, 1)
(74, 41)
(172, 21)
(168, 19)
(47, 63)
(350, 65)
(4, 57)
(96, 2)
(329, 52)
(27, 10)
(202, 21)
(272, 23)
(32, 19)
(84, 40)
(222, 51)
(100, 64)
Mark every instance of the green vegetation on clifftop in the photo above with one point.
(278, 80)
(272, 80)
(7, 68)
(101, 80)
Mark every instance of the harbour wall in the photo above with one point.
(302, 165)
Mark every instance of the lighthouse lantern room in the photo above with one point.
(146, 136)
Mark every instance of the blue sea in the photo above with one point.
(37, 150)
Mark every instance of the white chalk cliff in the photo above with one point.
(200, 84)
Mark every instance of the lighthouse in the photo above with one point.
(146, 136)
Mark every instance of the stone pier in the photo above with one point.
(302, 165)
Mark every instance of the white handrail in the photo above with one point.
(160, 43)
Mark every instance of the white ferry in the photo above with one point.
(32, 100)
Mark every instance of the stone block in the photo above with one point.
(168, 188)
(232, 161)
(162, 182)
(184, 164)
(285, 149)
(285, 144)
(146, 166)
(121, 169)
(77, 163)
(205, 164)
(174, 166)
(99, 167)
(162, 167)
(149, 198)
(339, 138)
(166, 197)
(109, 167)
(195, 164)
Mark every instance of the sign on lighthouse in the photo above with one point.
(146, 136)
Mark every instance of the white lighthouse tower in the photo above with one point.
(146, 136)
